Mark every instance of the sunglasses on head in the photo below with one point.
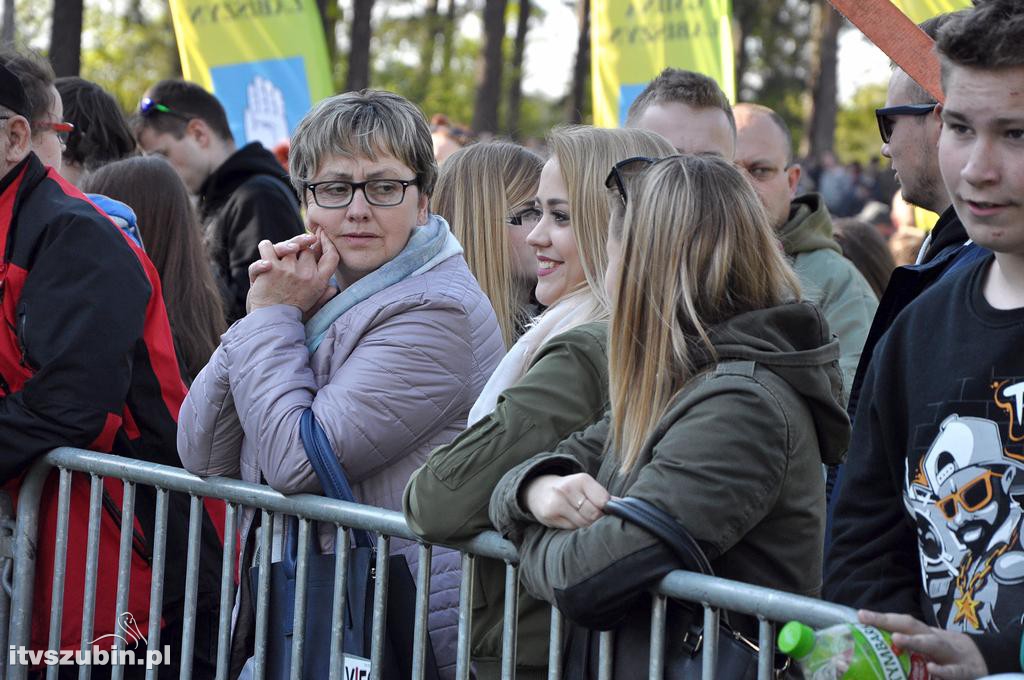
(148, 106)
(886, 116)
(627, 168)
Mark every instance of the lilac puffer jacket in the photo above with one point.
(394, 377)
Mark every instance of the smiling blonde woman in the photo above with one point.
(553, 381)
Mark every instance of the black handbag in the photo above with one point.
(737, 656)
(358, 618)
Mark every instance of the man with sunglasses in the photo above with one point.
(928, 516)
(86, 360)
(243, 194)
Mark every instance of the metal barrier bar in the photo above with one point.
(419, 644)
(301, 587)
(23, 580)
(462, 658)
(124, 571)
(263, 595)
(657, 660)
(188, 633)
(605, 655)
(380, 606)
(710, 640)
(341, 556)
(313, 507)
(765, 649)
(711, 592)
(227, 593)
(156, 592)
(753, 600)
(92, 553)
(555, 646)
(509, 624)
(60, 561)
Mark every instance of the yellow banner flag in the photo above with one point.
(265, 60)
(631, 41)
(919, 10)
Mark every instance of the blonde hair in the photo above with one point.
(697, 249)
(585, 157)
(476, 189)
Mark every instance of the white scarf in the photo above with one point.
(569, 312)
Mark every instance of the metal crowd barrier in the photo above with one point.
(16, 613)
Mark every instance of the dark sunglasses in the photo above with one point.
(886, 116)
(148, 106)
(627, 168)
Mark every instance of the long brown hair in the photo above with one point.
(697, 249)
(476, 189)
(171, 233)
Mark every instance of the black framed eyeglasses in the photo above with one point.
(148, 106)
(527, 217)
(631, 166)
(886, 116)
(382, 193)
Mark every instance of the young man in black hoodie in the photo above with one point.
(243, 195)
(929, 521)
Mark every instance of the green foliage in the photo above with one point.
(856, 129)
(126, 56)
(123, 55)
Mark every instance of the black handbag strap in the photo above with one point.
(653, 519)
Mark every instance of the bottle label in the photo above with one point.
(889, 665)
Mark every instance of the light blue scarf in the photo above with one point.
(429, 245)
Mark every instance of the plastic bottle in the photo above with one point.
(849, 652)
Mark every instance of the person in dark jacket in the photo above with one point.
(86, 360)
(764, 149)
(929, 517)
(244, 195)
(705, 329)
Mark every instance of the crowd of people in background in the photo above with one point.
(782, 356)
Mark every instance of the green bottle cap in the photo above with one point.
(796, 639)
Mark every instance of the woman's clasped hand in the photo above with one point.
(295, 272)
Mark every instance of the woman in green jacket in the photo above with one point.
(552, 383)
(726, 397)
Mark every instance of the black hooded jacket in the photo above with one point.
(247, 199)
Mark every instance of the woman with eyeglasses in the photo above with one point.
(551, 383)
(726, 398)
(389, 361)
(484, 191)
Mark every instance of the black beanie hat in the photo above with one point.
(12, 94)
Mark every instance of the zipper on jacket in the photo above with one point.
(138, 540)
(20, 335)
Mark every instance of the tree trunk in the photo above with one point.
(448, 48)
(515, 87)
(578, 91)
(359, 46)
(7, 31)
(490, 68)
(66, 37)
(432, 30)
(329, 19)
(824, 90)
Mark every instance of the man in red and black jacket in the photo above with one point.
(86, 360)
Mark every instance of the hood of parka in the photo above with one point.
(809, 227)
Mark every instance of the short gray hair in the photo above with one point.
(365, 123)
